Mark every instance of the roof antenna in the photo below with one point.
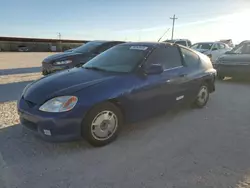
(163, 35)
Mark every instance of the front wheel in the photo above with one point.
(202, 97)
(102, 124)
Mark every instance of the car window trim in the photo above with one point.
(173, 68)
(182, 58)
(141, 64)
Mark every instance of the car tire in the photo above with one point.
(202, 96)
(102, 124)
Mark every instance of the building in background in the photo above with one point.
(15, 44)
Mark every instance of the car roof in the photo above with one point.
(148, 44)
(174, 40)
(245, 41)
(204, 42)
(107, 41)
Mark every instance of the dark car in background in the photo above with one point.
(235, 63)
(75, 57)
(127, 83)
(69, 50)
(23, 48)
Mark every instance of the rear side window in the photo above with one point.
(168, 56)
(190, 58)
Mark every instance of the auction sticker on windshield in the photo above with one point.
(138, 47)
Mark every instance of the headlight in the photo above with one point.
(64, 62)
(59, 104)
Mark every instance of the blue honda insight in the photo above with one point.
(128, 82)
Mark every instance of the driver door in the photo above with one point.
(156, 93)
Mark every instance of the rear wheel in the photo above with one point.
(102, 124)
(202, 96)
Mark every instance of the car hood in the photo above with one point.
(235, 58)
(62, 56)
(64, 83)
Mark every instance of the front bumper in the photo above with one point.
(64, 126)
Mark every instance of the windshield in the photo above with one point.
(121, 59)
(243, 48)
(88, 47)
(205, 46)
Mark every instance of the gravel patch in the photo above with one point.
(8, 114)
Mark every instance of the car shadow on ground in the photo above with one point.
(19, 71)
(18, 141)
(21, 146)
(12, 91)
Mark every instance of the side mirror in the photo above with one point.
(154, 69)
(214, 49)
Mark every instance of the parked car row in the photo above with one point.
(235, 63)
(216, 51)
(126, 83)
(212, 49)
(183, 42)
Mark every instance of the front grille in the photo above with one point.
(30, 125)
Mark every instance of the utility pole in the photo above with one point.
(60, 41)
(173, 18)
(59, 36)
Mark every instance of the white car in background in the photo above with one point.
(212, 49)
(183, 42)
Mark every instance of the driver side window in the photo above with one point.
(169, 57)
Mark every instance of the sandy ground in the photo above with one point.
(14, 60)
(193, 148)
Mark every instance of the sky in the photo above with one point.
(129, 20)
